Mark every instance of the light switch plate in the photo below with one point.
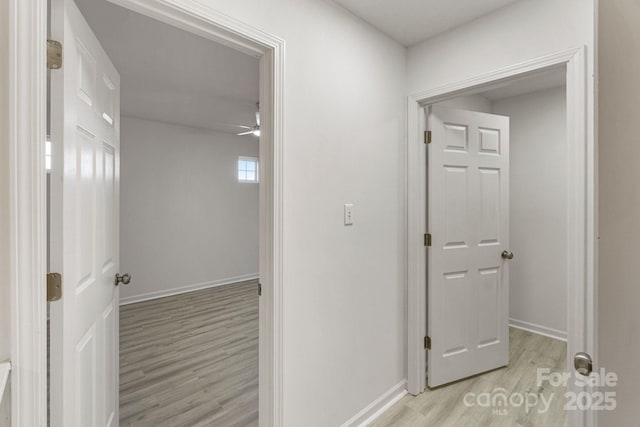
(348, 214)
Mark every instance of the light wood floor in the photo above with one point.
(444, 406)
(191, 359)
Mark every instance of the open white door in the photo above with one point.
(85, 127)
(468, 219)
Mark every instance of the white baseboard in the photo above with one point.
(188, 288)
(376, 408)
(538, 329)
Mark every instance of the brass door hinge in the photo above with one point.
(427, 343)
(54, 286)
(427, 239)
(427, 137)
(54, 55)
(259, 289)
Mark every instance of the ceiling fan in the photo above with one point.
(255, 129)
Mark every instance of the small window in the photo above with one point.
(247, 169)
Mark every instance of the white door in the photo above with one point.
(85, 127)
(468, 219)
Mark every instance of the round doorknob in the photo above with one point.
(507, 255)
(123, 278)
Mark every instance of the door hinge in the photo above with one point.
(54, 287)
(427, 239)
(427, 137)
(427, 343)
(54, 55)
(259, 289)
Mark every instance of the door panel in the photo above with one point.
(85, 109)
(468, 218)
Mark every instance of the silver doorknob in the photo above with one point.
(507, 255)
(123, 278)
(583, 364)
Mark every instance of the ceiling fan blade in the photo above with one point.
(258, 118)
(245, 133)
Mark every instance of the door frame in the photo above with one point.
(582, 209)
(27, 132)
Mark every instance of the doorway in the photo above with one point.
(145, 178)
(580, 237)
(181, 130)
(31, 401)
(497, 257)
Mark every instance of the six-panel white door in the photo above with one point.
(85, 124)
(468, 218)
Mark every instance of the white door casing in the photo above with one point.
(28, 222)
(468, 218)
(581, 201)
(85, 128)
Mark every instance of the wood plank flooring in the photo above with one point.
(191, 359)
(444, 406)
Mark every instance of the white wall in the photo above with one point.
(525, 30)
(619, 221)
(185, 219)
(538, 206)
(344, 287)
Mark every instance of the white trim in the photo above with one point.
(538, 329)
(497, 78)
(27, 129)
(187, 288)
(27, 210)
(5, 369)
(376, 408)
(582, 208)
